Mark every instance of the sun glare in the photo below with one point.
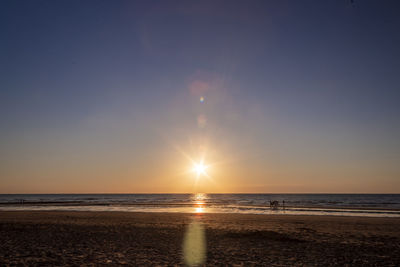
(200, 169)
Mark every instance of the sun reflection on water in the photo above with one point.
(199, 210)
(199, 196)
(199, 203)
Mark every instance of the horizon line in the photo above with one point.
(242, 193)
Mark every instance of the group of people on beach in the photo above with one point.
(274, 204)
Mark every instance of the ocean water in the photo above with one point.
(376, 205)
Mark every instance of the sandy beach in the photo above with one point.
(150, 239)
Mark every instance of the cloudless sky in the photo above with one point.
(104, 96)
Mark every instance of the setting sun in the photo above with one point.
(200, 169)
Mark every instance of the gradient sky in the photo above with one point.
(104, 96)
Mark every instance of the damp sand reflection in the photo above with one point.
(194, 242)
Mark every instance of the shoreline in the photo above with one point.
(207, 209)
(189, 204)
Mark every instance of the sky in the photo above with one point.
(272, 96)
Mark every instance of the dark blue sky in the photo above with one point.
(307, 91)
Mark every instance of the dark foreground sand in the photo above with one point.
(149, 239)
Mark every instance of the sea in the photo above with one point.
(372, 205)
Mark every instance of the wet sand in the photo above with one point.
(149, 239)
